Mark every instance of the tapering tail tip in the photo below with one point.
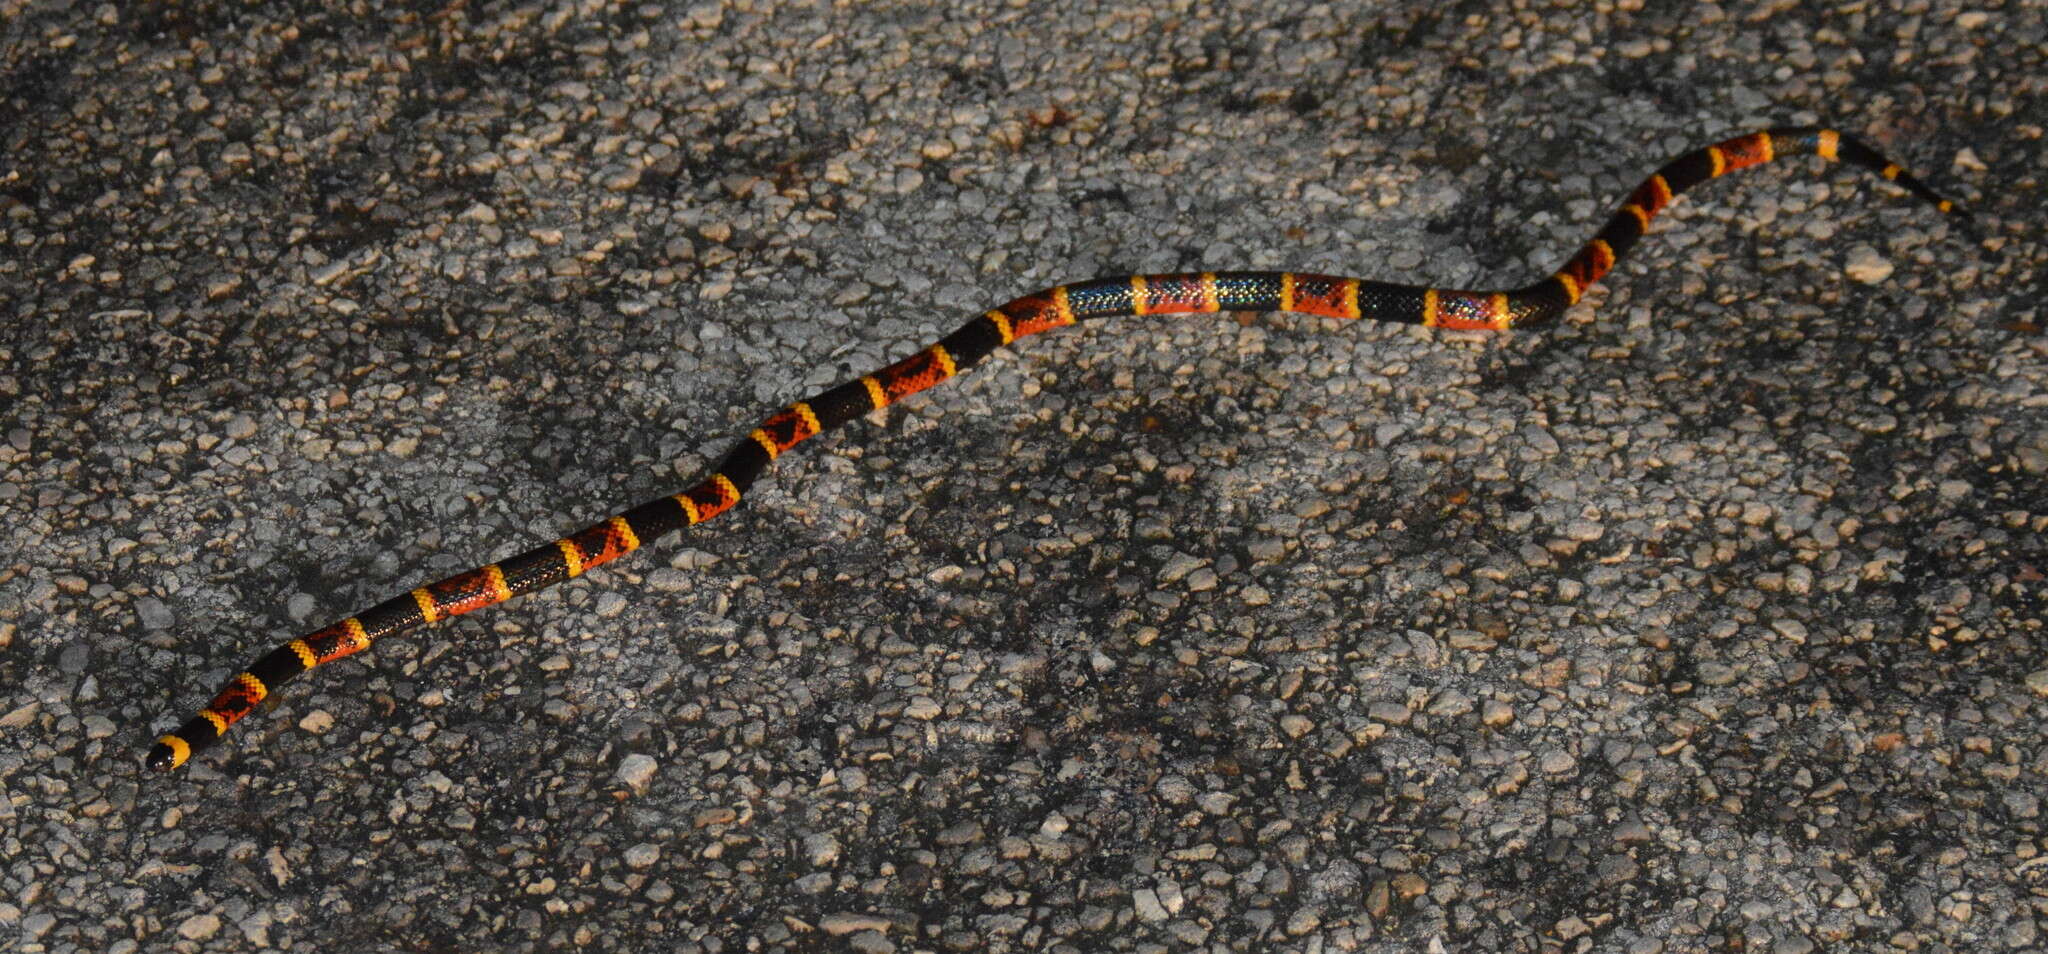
(1840, 145)
(1965, 223)
(1946, 206)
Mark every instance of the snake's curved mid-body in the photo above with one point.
(1327, 295)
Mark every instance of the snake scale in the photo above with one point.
(1326, 295)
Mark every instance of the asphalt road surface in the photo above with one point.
(1708, 619)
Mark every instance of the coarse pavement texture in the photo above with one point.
(1708, 619)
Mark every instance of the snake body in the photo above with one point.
(1326, 295)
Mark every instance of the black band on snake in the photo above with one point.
(1327, 295)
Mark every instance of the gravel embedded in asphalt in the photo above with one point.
(1709, 618)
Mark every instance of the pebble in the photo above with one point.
(1470, 640)
(963, 833)
(199, 927)
(1866, 265)
(621, 179)
(871, 942)
(1716, 674)
(153, 614)
(1792, 944)
(637, 770)
(845, 923)
(821, 849)
(1392, 713)
(1632, 830)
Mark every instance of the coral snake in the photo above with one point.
(1327, 295)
